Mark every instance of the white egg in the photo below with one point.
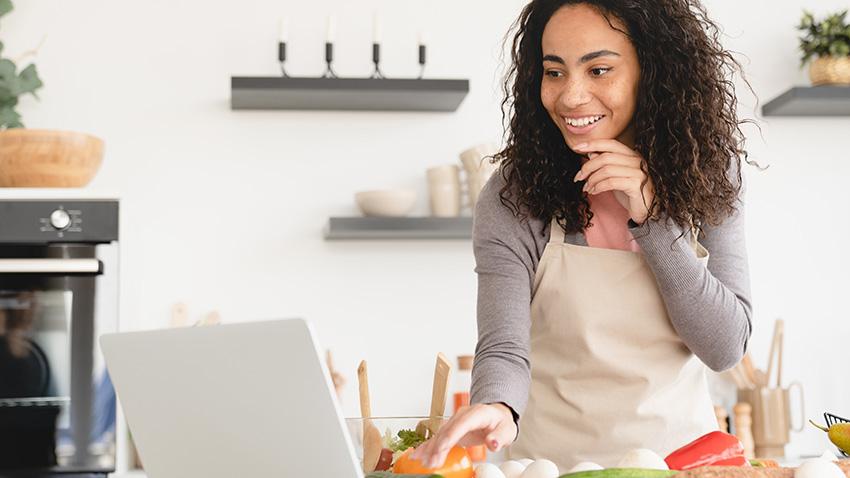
(643, 458)
(818, 468)
(828, 455)
(512, 469)
(488, 470)
(541, 469)
(585, 466)
(525, 462)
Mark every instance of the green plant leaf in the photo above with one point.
(9, 118)
(29, 81)
(8, 100)
(831, 36)
(9, 82)
(5, 7)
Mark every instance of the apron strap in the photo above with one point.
(556, 232)
(694, 235)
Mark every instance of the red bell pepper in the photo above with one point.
(713, 449)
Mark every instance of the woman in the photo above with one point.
(598, 310)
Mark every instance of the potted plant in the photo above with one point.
(33, 157)
(829, 41)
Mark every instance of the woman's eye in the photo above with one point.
(600, 69)
(553, 73)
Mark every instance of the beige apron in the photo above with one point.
(608, 371)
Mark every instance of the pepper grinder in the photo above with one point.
(722, 418)
(744, 428)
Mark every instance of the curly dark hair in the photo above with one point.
(685, 118)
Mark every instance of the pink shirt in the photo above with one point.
(610, 228)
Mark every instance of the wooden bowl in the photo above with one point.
(48, 159)
(830, 70)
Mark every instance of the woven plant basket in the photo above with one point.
(830, 70)
(48, 159)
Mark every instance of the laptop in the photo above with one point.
(250, 399)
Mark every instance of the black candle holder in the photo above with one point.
(421, 60)
(281, 58)
(329, 59)
(376, 59)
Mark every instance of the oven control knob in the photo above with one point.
(60, 219)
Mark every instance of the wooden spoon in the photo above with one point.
(749, 369)
(337, 378)
(371, 435)
(775, 346)
(429, 427)
(780, 346)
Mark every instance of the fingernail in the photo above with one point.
(581, 146)
(577, 177)
(584, 188)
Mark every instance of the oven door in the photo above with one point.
(57, 405)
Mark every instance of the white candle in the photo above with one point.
(421, 37)
(376, 28)
(331, 29)
(284, 30)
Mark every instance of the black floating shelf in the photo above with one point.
(810, 101)
(354, 94)
(399, 228)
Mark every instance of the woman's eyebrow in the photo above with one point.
(586, 58)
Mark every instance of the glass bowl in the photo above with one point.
(389, 427)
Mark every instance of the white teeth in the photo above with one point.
(579, 122)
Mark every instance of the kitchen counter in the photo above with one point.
(787, 462)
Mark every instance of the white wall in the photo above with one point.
(224, 209)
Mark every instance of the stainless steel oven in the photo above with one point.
(58, 292)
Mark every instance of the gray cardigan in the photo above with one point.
(709, 307)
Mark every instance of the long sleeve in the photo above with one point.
(710, 308)
(506, 255)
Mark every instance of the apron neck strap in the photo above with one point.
(556, 232)
(694, 234)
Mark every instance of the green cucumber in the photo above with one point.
(622, 473)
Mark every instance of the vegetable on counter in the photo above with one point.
(395, 445)
(385, 460)
(403, 440)
(839, 435)
(713, 449)
(457, 465)
(764, 463)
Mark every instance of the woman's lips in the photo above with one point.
(584, 129)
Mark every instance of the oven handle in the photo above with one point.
(51, 266)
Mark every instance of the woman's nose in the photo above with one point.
(574, 94)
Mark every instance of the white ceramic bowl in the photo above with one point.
(386, 203)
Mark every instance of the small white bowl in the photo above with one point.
(386, 203)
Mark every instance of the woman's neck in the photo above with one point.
(627, 137)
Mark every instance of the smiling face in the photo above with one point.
(590, 76)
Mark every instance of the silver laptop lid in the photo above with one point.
(250, 399)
